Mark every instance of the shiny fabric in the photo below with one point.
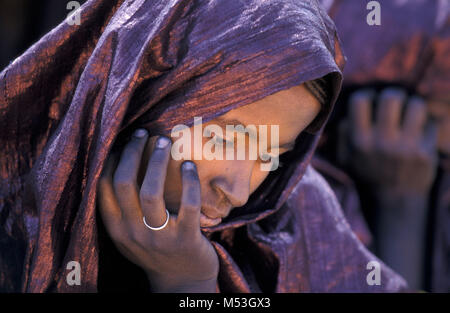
(411, 47)
(83, 89)
(347, 195)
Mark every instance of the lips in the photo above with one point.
(206, 221)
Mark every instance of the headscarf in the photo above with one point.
(153, 64)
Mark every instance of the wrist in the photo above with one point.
(386, 195)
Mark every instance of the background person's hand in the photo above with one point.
(177, 258)
(386, 152)
(397, 159)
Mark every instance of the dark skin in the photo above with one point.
(398, 159)
(145, 180)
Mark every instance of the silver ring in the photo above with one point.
(160, 227)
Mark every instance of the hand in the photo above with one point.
(177, 258)
(387, 154)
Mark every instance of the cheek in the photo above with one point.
(257, 178)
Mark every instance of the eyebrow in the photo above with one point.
(223, 121)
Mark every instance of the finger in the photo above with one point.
(361, 115)
(152, 189)
(415, 118)
(361, 110)
(107, 201)
(389, 113)
(429, 139)
(125, 177)
(189, 214)
(145, 158)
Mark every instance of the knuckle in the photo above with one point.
(192, 185)
(192, 198)
(117, 237)
(135, 235)
(156, 162)
(131, 157)
(184, 243)
(122, 185)
(150, 198)
(158, 245)
(191, 207)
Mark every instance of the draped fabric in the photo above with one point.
(82, 89)
(347, 195)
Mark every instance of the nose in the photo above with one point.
(235, 185)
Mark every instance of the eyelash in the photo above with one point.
(227, 142)
(217, 138)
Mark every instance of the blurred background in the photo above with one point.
(23, 22)
(386, 148)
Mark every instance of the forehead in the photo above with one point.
(292, 109)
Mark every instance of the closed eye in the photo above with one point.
(267, 157)
(221, 140)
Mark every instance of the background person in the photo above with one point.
(396, 91)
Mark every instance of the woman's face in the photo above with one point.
(228, 183)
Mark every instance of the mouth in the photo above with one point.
(206, 221)
(211, 216)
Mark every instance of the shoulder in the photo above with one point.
(337, 260)
(312, 189)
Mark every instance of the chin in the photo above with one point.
(206, 221)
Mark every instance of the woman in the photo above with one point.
(134, 65)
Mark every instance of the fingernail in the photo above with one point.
(394, 93)
(188, 165)
(416, 100)
(162, 142)
(140, 133)
(362, 95)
